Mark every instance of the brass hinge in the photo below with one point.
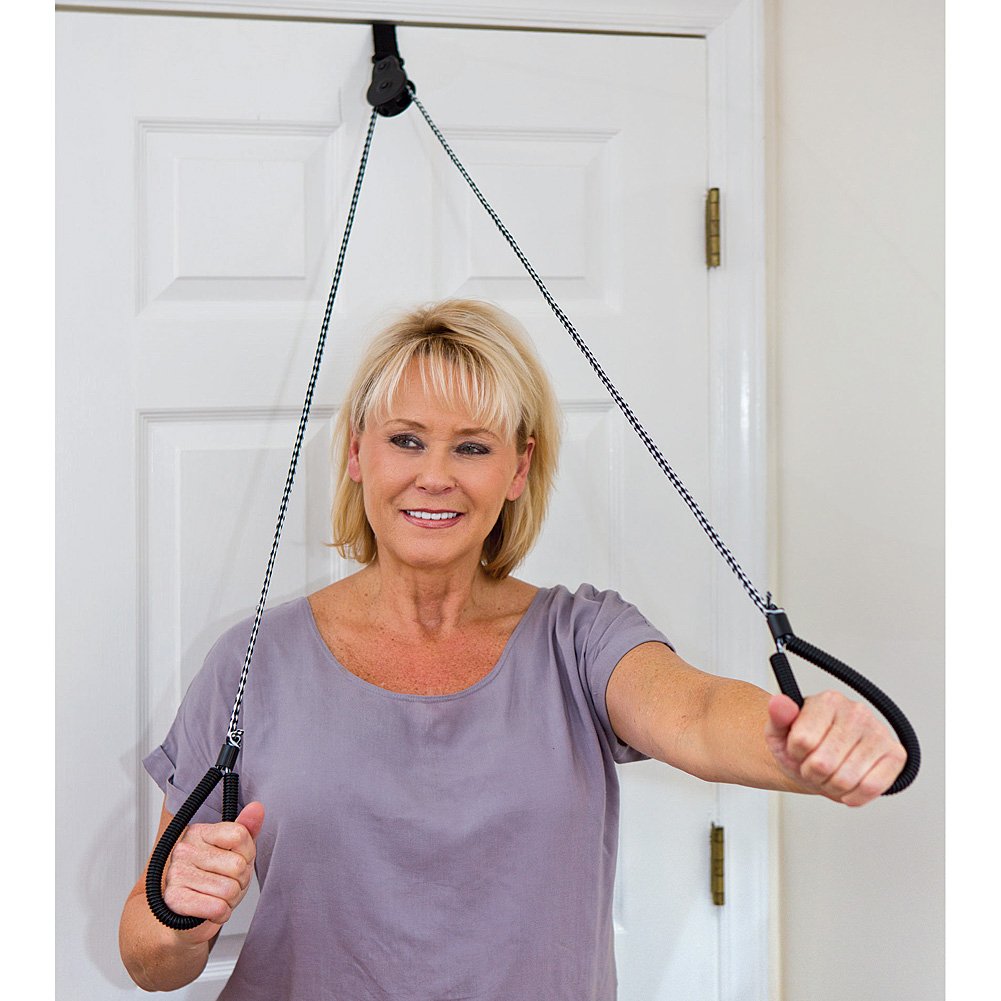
(716, 865)
(712, 228)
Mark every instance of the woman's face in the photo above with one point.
(433, 481)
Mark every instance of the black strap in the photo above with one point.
(384, 35)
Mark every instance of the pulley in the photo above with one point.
(390, 90)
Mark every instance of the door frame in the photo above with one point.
(734, 34)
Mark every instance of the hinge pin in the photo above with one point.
(712, 228)
(717, 869)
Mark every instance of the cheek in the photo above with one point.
(382, 476)
(504, 489)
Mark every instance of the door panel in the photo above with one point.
(204, 171)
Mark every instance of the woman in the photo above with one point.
(434, 740)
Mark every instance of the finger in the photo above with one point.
(836, 778)
(198, 854)
(855, 742)
(854, 725)
(185, 876)
(869, 770)
(252, 817)
(874, 785)
(869, 747)
(846, 735)
(782, 711)
(191, 903)
(810, 728)
(232, 837)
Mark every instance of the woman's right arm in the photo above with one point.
(207, 875)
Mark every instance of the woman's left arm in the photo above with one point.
(723, 730)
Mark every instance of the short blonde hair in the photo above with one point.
(472, 354)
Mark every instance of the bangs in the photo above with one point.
(453, 376)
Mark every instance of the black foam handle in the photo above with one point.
(858, 683)
(169, 838)
(785, 678)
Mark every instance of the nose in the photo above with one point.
(434, 475)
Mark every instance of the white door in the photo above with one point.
(204, 170)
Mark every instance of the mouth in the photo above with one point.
(432, 519)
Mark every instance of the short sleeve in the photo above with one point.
(606, 628)
(199, 729)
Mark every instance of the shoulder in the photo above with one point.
(587, 604)
(593, 619)
(281, 626)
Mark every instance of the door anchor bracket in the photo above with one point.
(390, 92)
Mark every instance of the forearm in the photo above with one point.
(735, 750)
(723, 730)
(156, 957)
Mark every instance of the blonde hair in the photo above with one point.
(470, 354)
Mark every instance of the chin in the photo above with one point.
(421, 558)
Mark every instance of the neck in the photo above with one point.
(424, 604)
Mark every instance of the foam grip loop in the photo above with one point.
(785, 678)
(169, 838)
(858, 683)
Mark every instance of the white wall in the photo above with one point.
(856, 290)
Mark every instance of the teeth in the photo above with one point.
(434, 515)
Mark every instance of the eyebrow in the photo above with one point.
(461, 432)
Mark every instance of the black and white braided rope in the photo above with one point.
(762, 603)
(234, 735)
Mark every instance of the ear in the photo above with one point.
(517, 487)
(354, 464)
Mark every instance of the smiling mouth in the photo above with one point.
(434, 517)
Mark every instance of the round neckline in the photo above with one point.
(410, 696)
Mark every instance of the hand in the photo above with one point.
(210, 870)
(833, 746)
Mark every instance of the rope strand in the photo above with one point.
(235, 735)
(644, 436)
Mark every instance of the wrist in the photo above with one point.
(159, 958)
(192, 942)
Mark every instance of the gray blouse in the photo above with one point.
(422, 848)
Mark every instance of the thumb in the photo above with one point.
(782, 712)
(252, 817)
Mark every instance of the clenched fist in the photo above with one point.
(834, 746)
(210, 870)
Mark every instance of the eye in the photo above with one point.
(406, 441)
(473, 448)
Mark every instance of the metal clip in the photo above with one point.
(778, 623)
